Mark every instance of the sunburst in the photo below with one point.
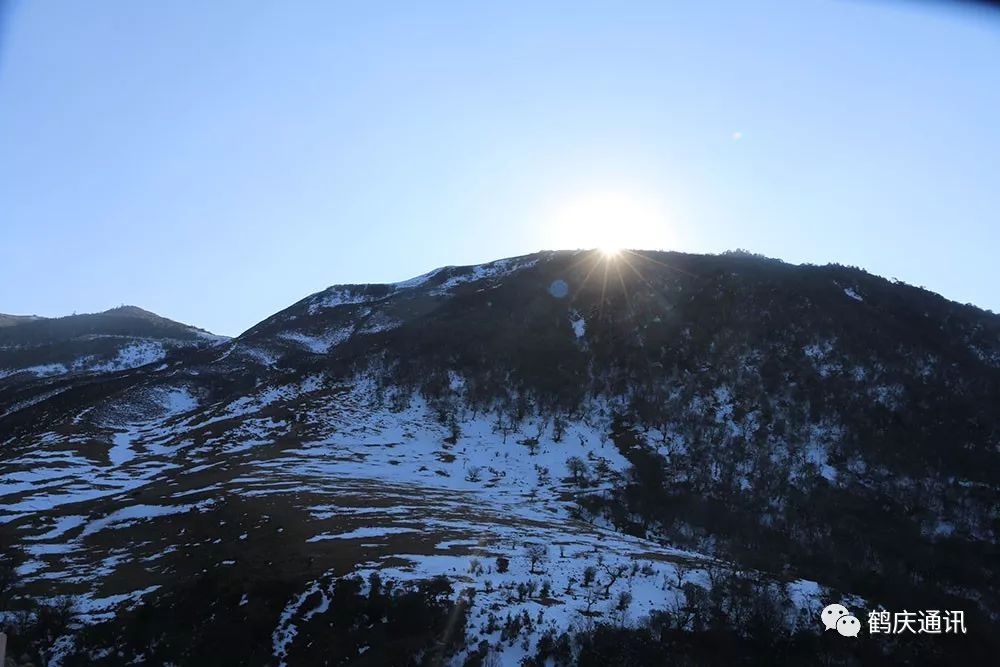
(609, 221)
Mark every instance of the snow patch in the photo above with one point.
(492, 270)
(132, 356)
(340, 295)
(121, 449)
(367, 531)
(579, 324)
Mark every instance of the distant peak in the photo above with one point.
(129, 310)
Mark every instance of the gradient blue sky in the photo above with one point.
(215, 162)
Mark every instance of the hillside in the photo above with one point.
(685, 452)
(114, 340)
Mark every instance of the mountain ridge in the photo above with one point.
(115, 339)
(656, 422)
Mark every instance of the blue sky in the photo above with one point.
(215, 162)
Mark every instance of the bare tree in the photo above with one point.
(536, 553)
(454, 430)
(502, 426)
(622, 605)
(614, 574)
(578, 470)
(558, 428)
(543, 474)
(680, 573)
(590, 597)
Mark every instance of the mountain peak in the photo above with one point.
(125, 309)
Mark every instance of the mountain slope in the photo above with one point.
(117, 339)
(562, 422)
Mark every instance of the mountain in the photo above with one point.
(562, 457)
(117, 339)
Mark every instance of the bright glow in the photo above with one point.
(608, 221)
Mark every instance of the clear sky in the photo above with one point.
(217, 161)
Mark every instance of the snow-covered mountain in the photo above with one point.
(658, 451)
(115, 340)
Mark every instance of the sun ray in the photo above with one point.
(628, 262)
(604, 286)
(593, 266)
(621, 281)
(663, 264)
(654, 292)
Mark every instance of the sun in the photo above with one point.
(609, 251)
(609, 221)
